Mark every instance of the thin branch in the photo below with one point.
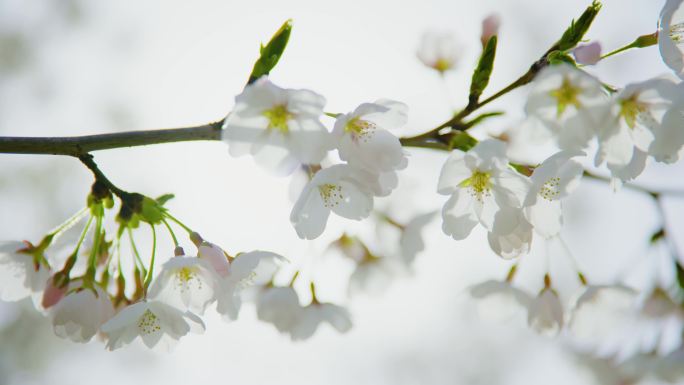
(81, 145)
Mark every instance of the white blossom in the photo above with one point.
(20, 276)
(483, 190)
(565, 99)
(644, 118)
(552, 181)
(373, 275)
(188, 283)
(246, 270)
(279, 127)
(79, 315)
(513, 243)
(315, 314)
(153, 321)
(439, 51)
(671, 36)
(216, 256)
(546, 313)
(340, 189)
(411, 241)
(500, 300)
(364, 140)
(280, 307)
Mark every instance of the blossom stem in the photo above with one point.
(173, 235)
(179, 223)
(150, 271)
(83, 235)
(69, 222)
(135, 249)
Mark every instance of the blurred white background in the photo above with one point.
(76, 67)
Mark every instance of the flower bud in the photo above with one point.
(490, 27)
(588, 54)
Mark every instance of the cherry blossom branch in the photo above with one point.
(82, 145)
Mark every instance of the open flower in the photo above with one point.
(364, 139)
(188, 283)
(565, 99)
(511, 243)
(439, 51)
(246, 269)
(79, 315)
(483, 190)
(546, 313)
(644, 118)
(20, 275)
(153, 321)
(552, 181)
(279, 127)
(340, 189)
(671, 36)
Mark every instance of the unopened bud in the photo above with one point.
(588, 54)
(490, 27)
(178, 251)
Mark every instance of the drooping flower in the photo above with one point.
(215, 255)
(315, 314)
(373, 275)
(483, 190)
(20, 274)
(188, 283)
(644, 118)
(363, 136)
(565, 99)
(280, 307)
(546, 313)
(79, 315)
(552, 181)
(246, 270)
(439, 51)
(671, 36)
(512, 243)
(500, 300)
(153, 321)
(411, 240)
(279, 127)
(340, 189)
(588, 54)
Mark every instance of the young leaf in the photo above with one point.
(574, 34)
(271, 52)
(483, 70)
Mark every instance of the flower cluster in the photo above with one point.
(281, 129)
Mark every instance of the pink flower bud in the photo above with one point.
(490, 27)
(588, 54)
(53, 293)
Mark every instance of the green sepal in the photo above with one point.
(152, 212)
(578, 28)
(271, 52)
(484, 68)
(560, 57)
(461, 140)
(164, 198)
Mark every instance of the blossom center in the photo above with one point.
(331, 194)
(148, 323)
(632, 109)
(550, 190)
(567, 94)
(247, 281)
(278, 117)
(185, 277)
(442, 65)
(677, 33)
(360, 129)
(479, 184)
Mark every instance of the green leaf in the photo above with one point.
(575, 33)
(271, 52)
(483, 70)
